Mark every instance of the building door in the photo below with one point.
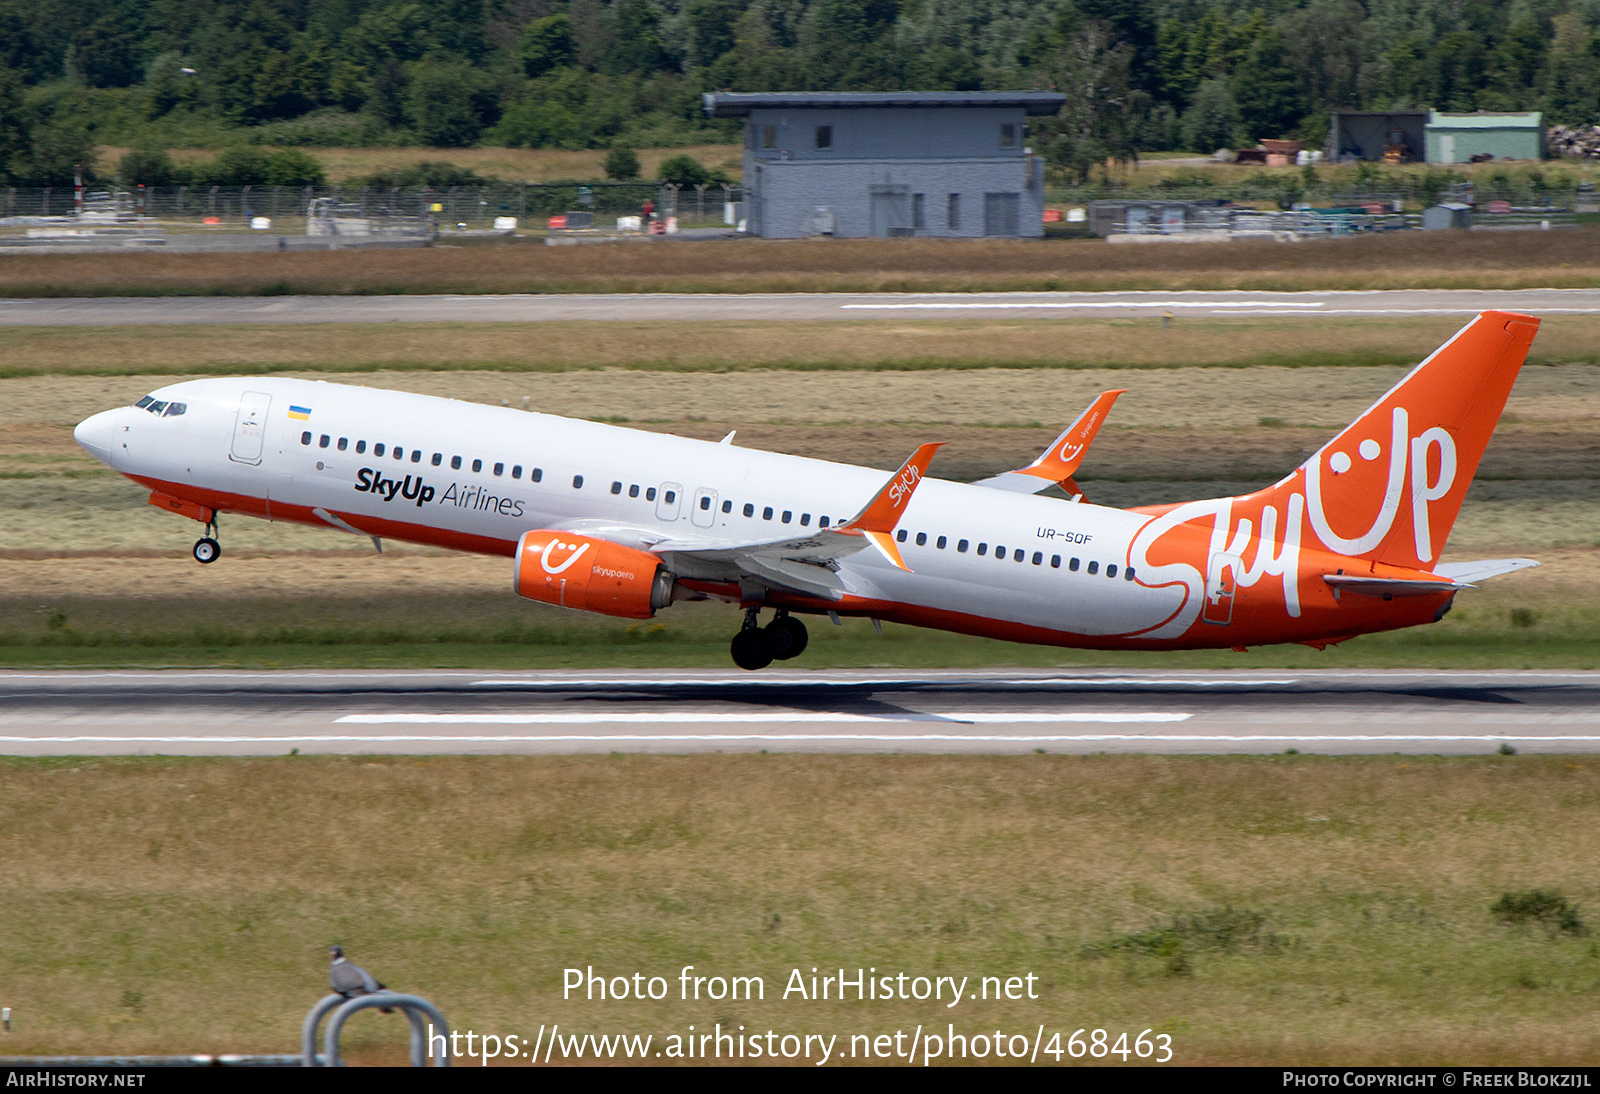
(1000, 214)
(891, 210)
(1447, 148)
(250, 427)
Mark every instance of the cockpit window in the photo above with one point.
(174, 409)
(146, 401)
(156, 408)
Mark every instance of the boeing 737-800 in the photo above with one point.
(623, 522)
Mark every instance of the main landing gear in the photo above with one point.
(756, 647)
(206, 549)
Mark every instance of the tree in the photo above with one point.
(439, 105)
(548, 44)
(683, 170)
(622, 163)
(16, 125)
(1212, 122)
(148, 167)
(1265, 89)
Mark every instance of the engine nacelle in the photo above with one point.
(591, 575)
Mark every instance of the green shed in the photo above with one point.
(1456, 138)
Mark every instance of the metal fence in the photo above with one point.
(475, 206)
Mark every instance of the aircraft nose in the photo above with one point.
(96, 435)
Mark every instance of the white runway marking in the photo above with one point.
(737, 718)
(1214, 304)
(781, 738)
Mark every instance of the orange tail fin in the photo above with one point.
(1388, 488)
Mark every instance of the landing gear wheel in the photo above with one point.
(752, 649)
(787, 636)
(207, 550)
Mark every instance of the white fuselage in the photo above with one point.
(457, 474)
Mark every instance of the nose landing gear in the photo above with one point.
(206, 549)
(756, 647)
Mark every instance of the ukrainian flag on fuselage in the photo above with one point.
(300, 413)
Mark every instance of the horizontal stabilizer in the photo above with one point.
(1388, 586)
(1481, 569)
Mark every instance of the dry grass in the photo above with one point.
(678, 346)
(135, 890)
(1482, 260)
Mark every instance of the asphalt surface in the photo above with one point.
(110, 311)
(429, 712)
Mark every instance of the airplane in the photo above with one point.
(624, 522)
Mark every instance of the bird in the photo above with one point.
(351, 980)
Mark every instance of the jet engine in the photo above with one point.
(592, 575)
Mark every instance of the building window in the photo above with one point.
(919, 220)
(769, 136)
(952, 212)
(1008, 135)
(824, 136)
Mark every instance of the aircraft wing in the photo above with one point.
(1482, 569)
(1062, 459)
(806, 563)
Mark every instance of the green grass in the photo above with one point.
(1255, 909)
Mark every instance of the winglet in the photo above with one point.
(877, 520)
(1065, 454)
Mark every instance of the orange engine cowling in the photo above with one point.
(591, 575)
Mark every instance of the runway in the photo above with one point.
(674, 711)
(115, 311)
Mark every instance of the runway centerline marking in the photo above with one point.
(1004, 304)
(780, 738)
(736, 718)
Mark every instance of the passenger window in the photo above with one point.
(1018, 555)
(1127, 575)
(438, 458)
(900, 536)
(788, 515)
(983, 548)
(633, 491)
(749, 510)
(361, 446)
(477, 465)
(727, 507)
(1073, 565)
(455, 463)
(1111, 570)
(416, 455)
(344, 442)
(398, 452)
(705, 502)
(1094, 567)
(305, 438)
(324, 441)
(500, 469)
(766, 514)
(922, 539)
(1055, 562)
(805, 520)
(175, 409)
(1038, 557)
(671, 497)
(1000, 553)
(822, 522)
(577, 482)
(377, 449)
(516, 471)
(538, 474)
(940, 543)
(616, 488)
(961, 546)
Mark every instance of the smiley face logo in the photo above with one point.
(547, 557)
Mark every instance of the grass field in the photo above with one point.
(723, 346)
(1273, 909)
(1479, 260)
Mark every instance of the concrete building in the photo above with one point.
(1456, 138)
(1399, 136)
(899, 163)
